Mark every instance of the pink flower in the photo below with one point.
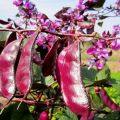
(18, 2)
(91, 51)
(40, 40)
(100, 64)
(115, 45)
(28, 5)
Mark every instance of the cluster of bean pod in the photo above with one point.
(9, 78)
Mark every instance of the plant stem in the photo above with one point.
(53, 33)
(32, 102)
(79, 34)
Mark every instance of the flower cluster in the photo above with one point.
(45, 40)
(33, 18)
(102, 50)
(69, 19)
(29, 16)
(85, 4)
(100, 53)
(117, 3)
(26, 8)
(116, 7)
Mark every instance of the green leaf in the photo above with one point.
(112, 116)
(11, 113)
(114, 94)
(37, 74)
(68, 115)
(63, 117)
(88, 75)
(96, 101)
(71, 114)
(31, 108)
(57, 112)
(54, 85)
(97, 83)
(103, 74)
(3, 37)
(49, 80)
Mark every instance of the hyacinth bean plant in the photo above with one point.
(42, 72)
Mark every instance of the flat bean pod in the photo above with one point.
(24, 70)
(107, 100)
(72, 87)
(7, 68)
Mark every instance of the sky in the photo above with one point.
(50, 7)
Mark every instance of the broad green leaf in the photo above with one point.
(63, 117)
(3, 37)
(112, 116)
(103, 74)
(88, 75)
(31, 108)
(37, 74)
(57, 112)
(54, 85)
(49, 80)
(68, 115)
(115, 80)
(96, 101)
(114, 94)
(63, 113)
(97, 83)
